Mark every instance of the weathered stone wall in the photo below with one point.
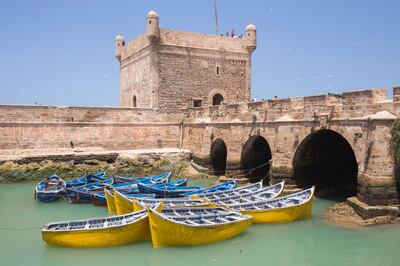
(28, 127)
(168, 74)
(189, 74)
(136, 79)
(105, 135)
(54, 114)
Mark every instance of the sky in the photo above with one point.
(62, 52)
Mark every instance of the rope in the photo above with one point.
(238, 172)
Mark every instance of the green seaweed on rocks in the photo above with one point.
(11, 172)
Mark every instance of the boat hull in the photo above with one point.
(75, 196)
(99, 200)
(110, 201)
(122, 204)
(116, 236)
(167, 233)
(281, 215)
(48, 197)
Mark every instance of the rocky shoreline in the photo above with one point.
(137, 165)
(344, 215)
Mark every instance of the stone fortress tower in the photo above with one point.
(168, 70)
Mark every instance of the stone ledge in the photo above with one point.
(376, 181)
(366, 211)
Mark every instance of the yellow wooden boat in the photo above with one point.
(188, 228)
(245, 195)
(289, 208)
(142, 203)
(99, 232)
(123, 204)
(110, 201)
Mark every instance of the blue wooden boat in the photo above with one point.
(50, 189)
(164, 177)
(165, 191)
(226, 186)
(80, 195)
(86, 193)
(147, 188)
(135, 190)
(99, 199)
(87, 179)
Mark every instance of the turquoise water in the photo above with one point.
(310, 242)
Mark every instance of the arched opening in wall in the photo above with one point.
(326, 160)
(255, 158)
(217, 99)
(218, 154)
(134, 104)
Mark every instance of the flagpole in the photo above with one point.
(216, 15)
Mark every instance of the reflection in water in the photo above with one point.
(310, 242)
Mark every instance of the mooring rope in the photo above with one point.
(238, 172)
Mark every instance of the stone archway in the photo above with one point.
(218, 154)
(254, 158)
(325, 159)
(217, 99)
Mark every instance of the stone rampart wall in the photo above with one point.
(113, 136)
(349, 105)
(28, 127)
(55, 114)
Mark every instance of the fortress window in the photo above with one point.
(134, 101)
(149, 21)
(197, 103)
(218, 99)
(217, 70)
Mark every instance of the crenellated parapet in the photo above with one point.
(353, 105)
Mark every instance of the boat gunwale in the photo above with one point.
(51, 191)
(243, 217)
(231, 190)
(219, 185)
(249, 194)
(275, 199)
(142, 216)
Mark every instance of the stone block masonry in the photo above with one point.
(41, 127)
(168, 70)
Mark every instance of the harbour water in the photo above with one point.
(310, 242)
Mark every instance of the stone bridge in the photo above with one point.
(339, 142)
